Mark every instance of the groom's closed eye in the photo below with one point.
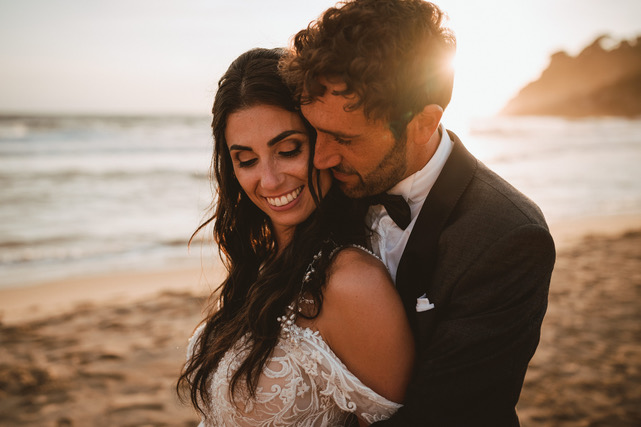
(342, 141)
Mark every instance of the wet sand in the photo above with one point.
(587, 369)
(82, 353)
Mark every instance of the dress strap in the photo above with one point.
(289, 319)
(311, 270)
(364, 249)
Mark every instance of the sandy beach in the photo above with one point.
(107, 350)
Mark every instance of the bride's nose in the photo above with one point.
(271, 176)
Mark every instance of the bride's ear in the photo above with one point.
(424, 124)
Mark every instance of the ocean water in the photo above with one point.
(83, 195)
(94, 194)
(571, 168)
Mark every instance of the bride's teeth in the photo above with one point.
(283, 200)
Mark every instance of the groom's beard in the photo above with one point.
(390, 171)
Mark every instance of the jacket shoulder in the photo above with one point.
(491, 198)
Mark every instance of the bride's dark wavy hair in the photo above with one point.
(262, 280)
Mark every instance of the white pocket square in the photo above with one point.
(423, 304)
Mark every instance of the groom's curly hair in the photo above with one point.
(393, 55)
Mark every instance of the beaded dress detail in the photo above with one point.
(303, 384)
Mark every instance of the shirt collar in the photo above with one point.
(417, 186)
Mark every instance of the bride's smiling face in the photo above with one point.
(270, 150)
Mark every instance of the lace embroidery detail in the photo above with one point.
(303, 383)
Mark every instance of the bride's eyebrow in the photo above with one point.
(282, 136)
(270, 143)
(237, 147)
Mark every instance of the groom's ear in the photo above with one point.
(424, 124)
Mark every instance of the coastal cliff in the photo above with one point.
(597, 82)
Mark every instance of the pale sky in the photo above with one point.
(166, 56)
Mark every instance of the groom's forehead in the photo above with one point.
(325, 87)
(333, 97)
(331, 112)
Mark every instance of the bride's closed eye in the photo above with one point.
(245, 159)
(291, 153)
(290, 148)
(246, 163)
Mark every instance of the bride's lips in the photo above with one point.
(285, 201)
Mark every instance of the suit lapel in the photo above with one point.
(416, 267)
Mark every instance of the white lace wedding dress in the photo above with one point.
(303, 384)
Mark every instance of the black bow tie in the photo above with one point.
(396, 207)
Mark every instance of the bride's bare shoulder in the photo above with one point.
(355, 267)
(364, 322)
(359, 286)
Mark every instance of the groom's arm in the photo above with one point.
(470, 372)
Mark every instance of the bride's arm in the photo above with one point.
(363, 321)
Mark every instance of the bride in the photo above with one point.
(307, 328)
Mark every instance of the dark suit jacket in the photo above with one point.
(482, 253)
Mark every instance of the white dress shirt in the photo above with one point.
(388, 240)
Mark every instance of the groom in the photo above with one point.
(471, 256)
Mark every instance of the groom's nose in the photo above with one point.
(326, 153)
